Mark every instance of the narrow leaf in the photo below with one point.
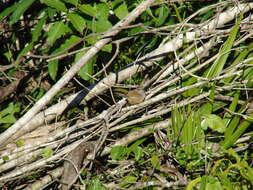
(22, 7)
(219, 63)
(38, 28)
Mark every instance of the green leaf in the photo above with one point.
(137, 152)
(95, 185)
(47, 152)
(22, 6)
(53, 69)
(38, 28)
(193, 183)
(56, 31)
(73, 39)
(26, 49)
(121, 11)
(238, 132)
(20, 143)
(107, 48)
(77, 21)
(8, 110)
(118, 152)
(5, 158)
(155, 161)
(164, 12)
(51, 12)
(214, 122)
(8, 10)
(102, 25)
(88, 9)
(219, 63)
(8, 119)
(73, 2)
(227, 116)
(193, 91)
(102, 11)
(87, 70)
(129, 179)
(58, 5)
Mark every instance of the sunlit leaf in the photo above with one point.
(57, 4)
(56, 31)
(88, 9)
(53, 69)
(214, 122)
(118, 152)
(8, 10)
(22, 5)
(73, 2)
(219, 63)
(121, 11)
(47, 152)
(36, 32)
(20, 143)
(77, 21)
(155, 161)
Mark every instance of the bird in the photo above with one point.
(135, 96)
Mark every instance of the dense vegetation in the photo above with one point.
(64, 64)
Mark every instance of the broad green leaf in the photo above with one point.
(87, 70)
(36, 32)
(137, 153)
(73, 2)
(8, 10)
(102, 11)
(8, 119)
(214, 186)
(57, 30)
(77, 21)
(107, 48)
(51, 12)
(53, 69)
(47, 152)
(214, 122)
(58, 5)
(102, 25)
(121, 11)
(118, 152)
(22, 6)
(116, 3)
(88, 9)
(53, 65)
(219, 63)
(8, 110)
(193, 91)
(73, 39)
